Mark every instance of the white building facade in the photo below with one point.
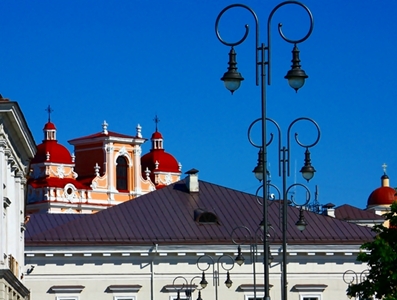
(17, 147)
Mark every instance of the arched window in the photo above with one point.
(121, 173)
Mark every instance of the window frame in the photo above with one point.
(124, 297)
(259, 296)
(303, 296)
(121, 179)
(66, 297)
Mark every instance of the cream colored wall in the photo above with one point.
(98, 271)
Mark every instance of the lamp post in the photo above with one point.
(215, 270)
(253, 243)
(351, 277)
(284, 159)
(232, 80)
(188, 288)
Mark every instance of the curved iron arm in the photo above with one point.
(247, 237)
(271, 134)
(269, 184)
(263, 47)
(280, 25)
(183, 285)
(188, 288)
(232, 44)
(279, 135)
(307, 194)
(355, 278)
(213, 262)
(307, 146)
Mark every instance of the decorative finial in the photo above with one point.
(105, 127)
(49, 110)
(147, 172)
(97, 168)
(156, 120)
(384, 166)
(139, 131)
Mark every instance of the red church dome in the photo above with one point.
(157, 160)
(49, 126)
(156, 135)
(57, 153)
(384, 195)
(166, 162)
(50, 150)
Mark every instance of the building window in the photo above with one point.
(121, 173)
(67, 298)
(253, 298)
(180, 298)
(310, 297)
(124, 298)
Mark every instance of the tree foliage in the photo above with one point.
(381, 256)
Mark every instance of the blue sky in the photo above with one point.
(126, 61)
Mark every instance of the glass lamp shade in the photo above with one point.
(307, 172)
(203, 282)
(307, 169)
(258, 172)
(240, 258)
(296, 76)
(228, 282)
(262, 225)
(232, 85)
(301, 224)
(296, 82)
(232, 78)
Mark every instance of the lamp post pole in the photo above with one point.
(252, 239)
(232, 80)
(284, 154)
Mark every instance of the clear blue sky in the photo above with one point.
(126, 61)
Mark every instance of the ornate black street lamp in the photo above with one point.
(296, 79)
(186, 287)
(221, 262)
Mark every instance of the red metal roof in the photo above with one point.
(167, 216)
(351, 213)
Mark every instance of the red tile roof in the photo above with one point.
(166, 216)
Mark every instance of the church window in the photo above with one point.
(121, 173)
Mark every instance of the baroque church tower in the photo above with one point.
(104, 170)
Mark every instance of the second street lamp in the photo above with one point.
(232, 79)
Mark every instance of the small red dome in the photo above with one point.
(167, 163)
(156, 135)
(58, 153)
(384, 195)
(49, 126)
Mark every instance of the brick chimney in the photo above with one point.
(191, 181)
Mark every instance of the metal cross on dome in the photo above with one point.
(156, 120)
(49, 110)
(384, 166)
